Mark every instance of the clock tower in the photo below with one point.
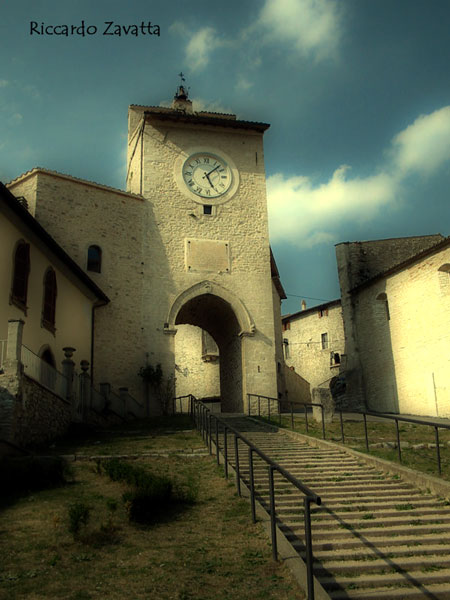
(205, 245)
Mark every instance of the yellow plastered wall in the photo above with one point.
(73, 308)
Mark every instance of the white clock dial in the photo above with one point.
(207, 175)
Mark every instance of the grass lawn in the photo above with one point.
(207, 550)
(423, 459)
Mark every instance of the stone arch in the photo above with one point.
(216, 310)
(246, 324)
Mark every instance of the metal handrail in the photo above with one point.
(290, 404)
(398, 418)
(364, 414)
(202, 417)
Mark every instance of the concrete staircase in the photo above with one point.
(374, 536)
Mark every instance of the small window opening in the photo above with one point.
(335, 358)
(94, 261)
(20, 278)
(286, 348)
(207, 209)
(49, 304)
(324, 340)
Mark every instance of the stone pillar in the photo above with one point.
(11, 379)
(85, 389)
(68, 367)
(323, 396)
(14, 346)
(123, 393)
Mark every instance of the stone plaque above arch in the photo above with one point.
(211, 256)
(246, 324)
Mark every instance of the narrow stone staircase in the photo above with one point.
(374, 536)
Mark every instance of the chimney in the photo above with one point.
(303, 305)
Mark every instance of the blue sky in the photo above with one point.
(357, 94)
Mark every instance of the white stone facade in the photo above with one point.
(314, 343)
(166, 261)
(402, 323)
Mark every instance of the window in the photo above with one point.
(207, 209)
(444, 279)
(335, 359)
(20, 276)
(286, 325)
(286, 348)
(323, 313)
(382, 298)
(324, 339)
(49, 305)
(94, 260)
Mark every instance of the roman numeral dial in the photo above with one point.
(207, 175)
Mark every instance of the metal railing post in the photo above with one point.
(273, 527)
(236, 456)
(209, 433)
(365, 432)
(249, 400)
(279, 413)
(306, 418)
(292, 416)
(438, 450)
(217, 441)
(398, 441)
(225, 450)
(268, 408)
(252, 484)
(259, 406)
(342, 427)
(308, 548)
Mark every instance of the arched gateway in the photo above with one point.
(222, 314)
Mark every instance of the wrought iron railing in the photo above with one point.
(282, 407)
(43, 373)
(294, 409)
(204, 418)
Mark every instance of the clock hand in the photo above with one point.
(207, 177)
(212, 171)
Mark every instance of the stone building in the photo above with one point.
(47, 303)
(313, 342)
(186, 244)
(395, 306)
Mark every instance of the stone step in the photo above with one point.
(387, 550)
(364, 534)
(372, 580)
(432, 591)
(374, 537)
(321, 515)
(382, 565)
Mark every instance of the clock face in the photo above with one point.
(207, 175)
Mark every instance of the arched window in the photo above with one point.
(94, 259)
(47, 375)
(20, 276)
(49, 304)
(444, 279)
(383, 299)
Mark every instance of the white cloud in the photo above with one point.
(424, 145)
(203, 105)
(200, 47)
(306, 215)
(311, 26)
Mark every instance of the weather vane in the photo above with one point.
(182, 91)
